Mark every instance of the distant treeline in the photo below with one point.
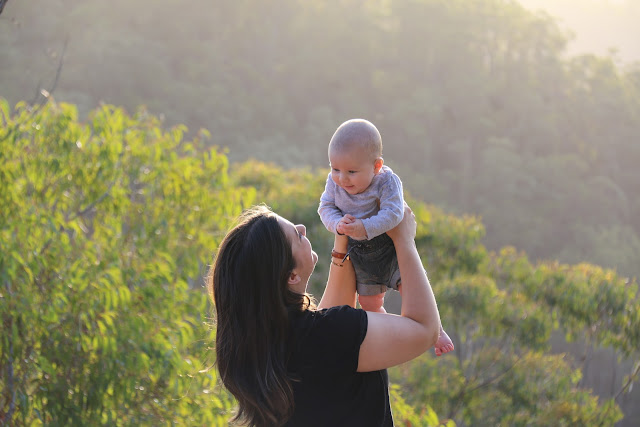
(480, 108)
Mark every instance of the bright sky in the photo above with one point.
(598, 24)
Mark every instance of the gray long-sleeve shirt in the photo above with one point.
(380, 206)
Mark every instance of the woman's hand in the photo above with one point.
(406, 230)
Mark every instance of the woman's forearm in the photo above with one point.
(341, 285)
(391, 339)
(418, 300)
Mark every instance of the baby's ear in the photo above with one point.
(377, 165)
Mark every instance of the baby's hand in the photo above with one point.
(347, 219)
(355, 230)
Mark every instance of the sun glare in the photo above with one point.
(598, 26)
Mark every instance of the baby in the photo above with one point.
(363, 199)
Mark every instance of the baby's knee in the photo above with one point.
(372, 302)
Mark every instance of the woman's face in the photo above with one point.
(305, 258)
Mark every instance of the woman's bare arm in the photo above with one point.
(393, 339)
(341, 285)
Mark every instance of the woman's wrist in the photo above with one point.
(339, 258)
(407, 241)
(337, 254)
(340, 244)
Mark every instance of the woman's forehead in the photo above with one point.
(286, 225)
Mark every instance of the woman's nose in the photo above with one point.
(302, 229)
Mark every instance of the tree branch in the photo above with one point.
(630, 380)
(42, 95)
(94, 203)
(10, 372)
(495, 377)
(3, 3)
(459, 398)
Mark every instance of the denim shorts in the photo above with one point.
(376, 264)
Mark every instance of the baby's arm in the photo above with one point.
(329, 213)
(391, 209)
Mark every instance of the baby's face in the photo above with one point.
(352, 170)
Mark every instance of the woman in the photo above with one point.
(290, 363)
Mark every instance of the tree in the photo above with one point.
(104, 229)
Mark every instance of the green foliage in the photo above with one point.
(584, 300)
(406, 415)
(503, 388)
(104, 229)
(292, 193)
(450, 245)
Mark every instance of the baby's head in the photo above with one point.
(355, 154)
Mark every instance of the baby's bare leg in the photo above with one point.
(373, 303)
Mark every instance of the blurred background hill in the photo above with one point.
(482, 106)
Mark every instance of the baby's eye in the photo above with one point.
(353, 171)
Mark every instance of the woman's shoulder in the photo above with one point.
(335, 320)
(340, 312)
(331, 315)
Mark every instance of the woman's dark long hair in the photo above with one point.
(248, 284)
